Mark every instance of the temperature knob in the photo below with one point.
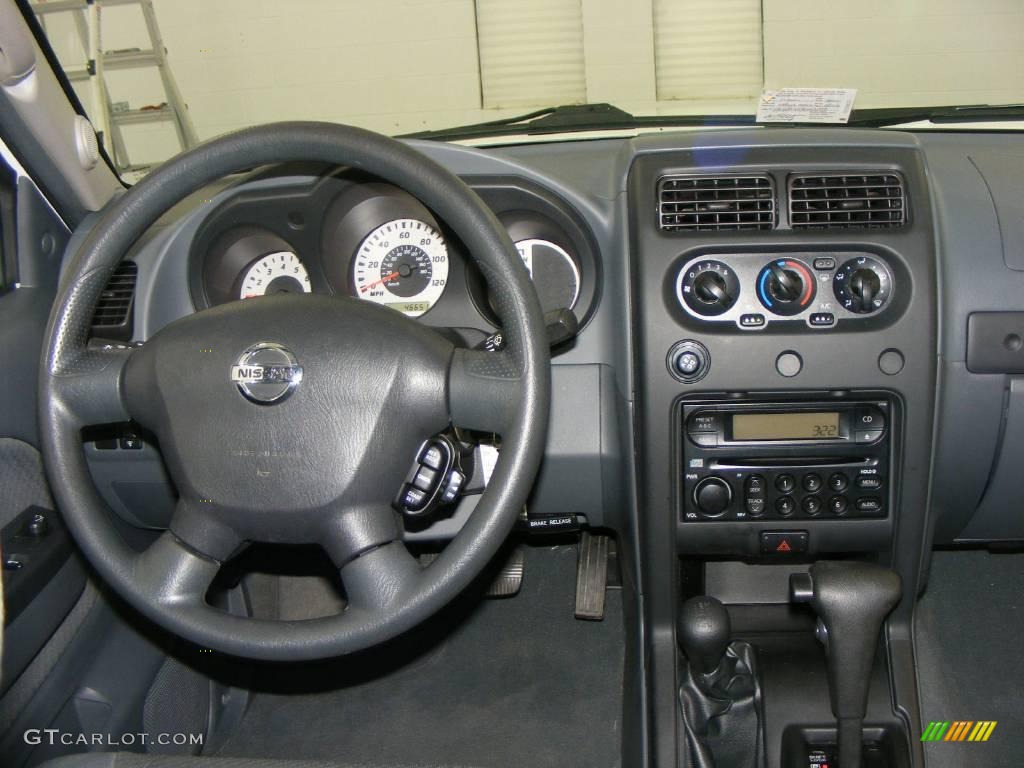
(786, 287)
(863, 285)
(707, 288)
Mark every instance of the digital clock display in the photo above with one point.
(817, 425)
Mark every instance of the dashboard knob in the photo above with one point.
(863, 285)
(786, 287)
(707, 288)
(713, 495)
(785, 284)
(710, 288)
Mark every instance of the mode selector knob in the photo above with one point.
(712, 495)
(862, 285)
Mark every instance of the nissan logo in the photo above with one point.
(266, 373)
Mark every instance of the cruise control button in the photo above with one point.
(433, 456)
(869, 482)
(837, 482)
(413, 499)
(838, 505)
(785, 483)
(811, 505)
(453, 486)
(869, 504)
(785, 505)
(812, 482)
(426, 479)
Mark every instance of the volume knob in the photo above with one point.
(712, 495)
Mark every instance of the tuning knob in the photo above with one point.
(707, 288)
(862, 285)
(712, 495)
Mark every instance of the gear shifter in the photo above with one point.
(720, 695)
(851, 600)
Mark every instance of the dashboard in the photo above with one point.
(801, 272)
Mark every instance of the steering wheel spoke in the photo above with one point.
(90, 385)
(484, 390)
(380, 577)
(173, 575)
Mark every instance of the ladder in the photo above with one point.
(107, 121)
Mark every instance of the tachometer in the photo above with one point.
(402, 264)
(279, 272)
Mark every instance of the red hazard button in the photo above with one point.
(783, 542)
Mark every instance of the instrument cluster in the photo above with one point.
(367, 239)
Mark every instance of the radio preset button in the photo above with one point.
(811, 505)
(785, 505)
(812, 482)
(837, 482)
(785, 483)
(838, 505)
(869, 482)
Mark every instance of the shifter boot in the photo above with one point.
(722, 712)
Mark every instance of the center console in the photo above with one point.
(783, 321)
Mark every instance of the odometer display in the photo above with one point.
(402, 264)
(785, 426)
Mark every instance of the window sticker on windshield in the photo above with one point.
(806, 105)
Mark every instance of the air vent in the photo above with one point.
(112, 318)
(843, 201)
(688, 203)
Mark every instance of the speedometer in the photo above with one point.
(280, 272)
(402, 264)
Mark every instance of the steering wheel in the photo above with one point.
(315, 451)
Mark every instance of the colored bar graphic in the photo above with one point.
(959, 730)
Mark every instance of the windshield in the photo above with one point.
(159, 75)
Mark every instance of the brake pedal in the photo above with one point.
(591, 576)
(510, 578)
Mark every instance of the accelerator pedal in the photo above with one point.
(592, 576)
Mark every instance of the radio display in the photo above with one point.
(821, 425)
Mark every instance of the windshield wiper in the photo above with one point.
(964, 113)
(573, 118)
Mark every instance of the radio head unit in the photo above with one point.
(772, 460)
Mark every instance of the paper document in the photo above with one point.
(806, 105)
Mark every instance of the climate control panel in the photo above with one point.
(753, 290)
